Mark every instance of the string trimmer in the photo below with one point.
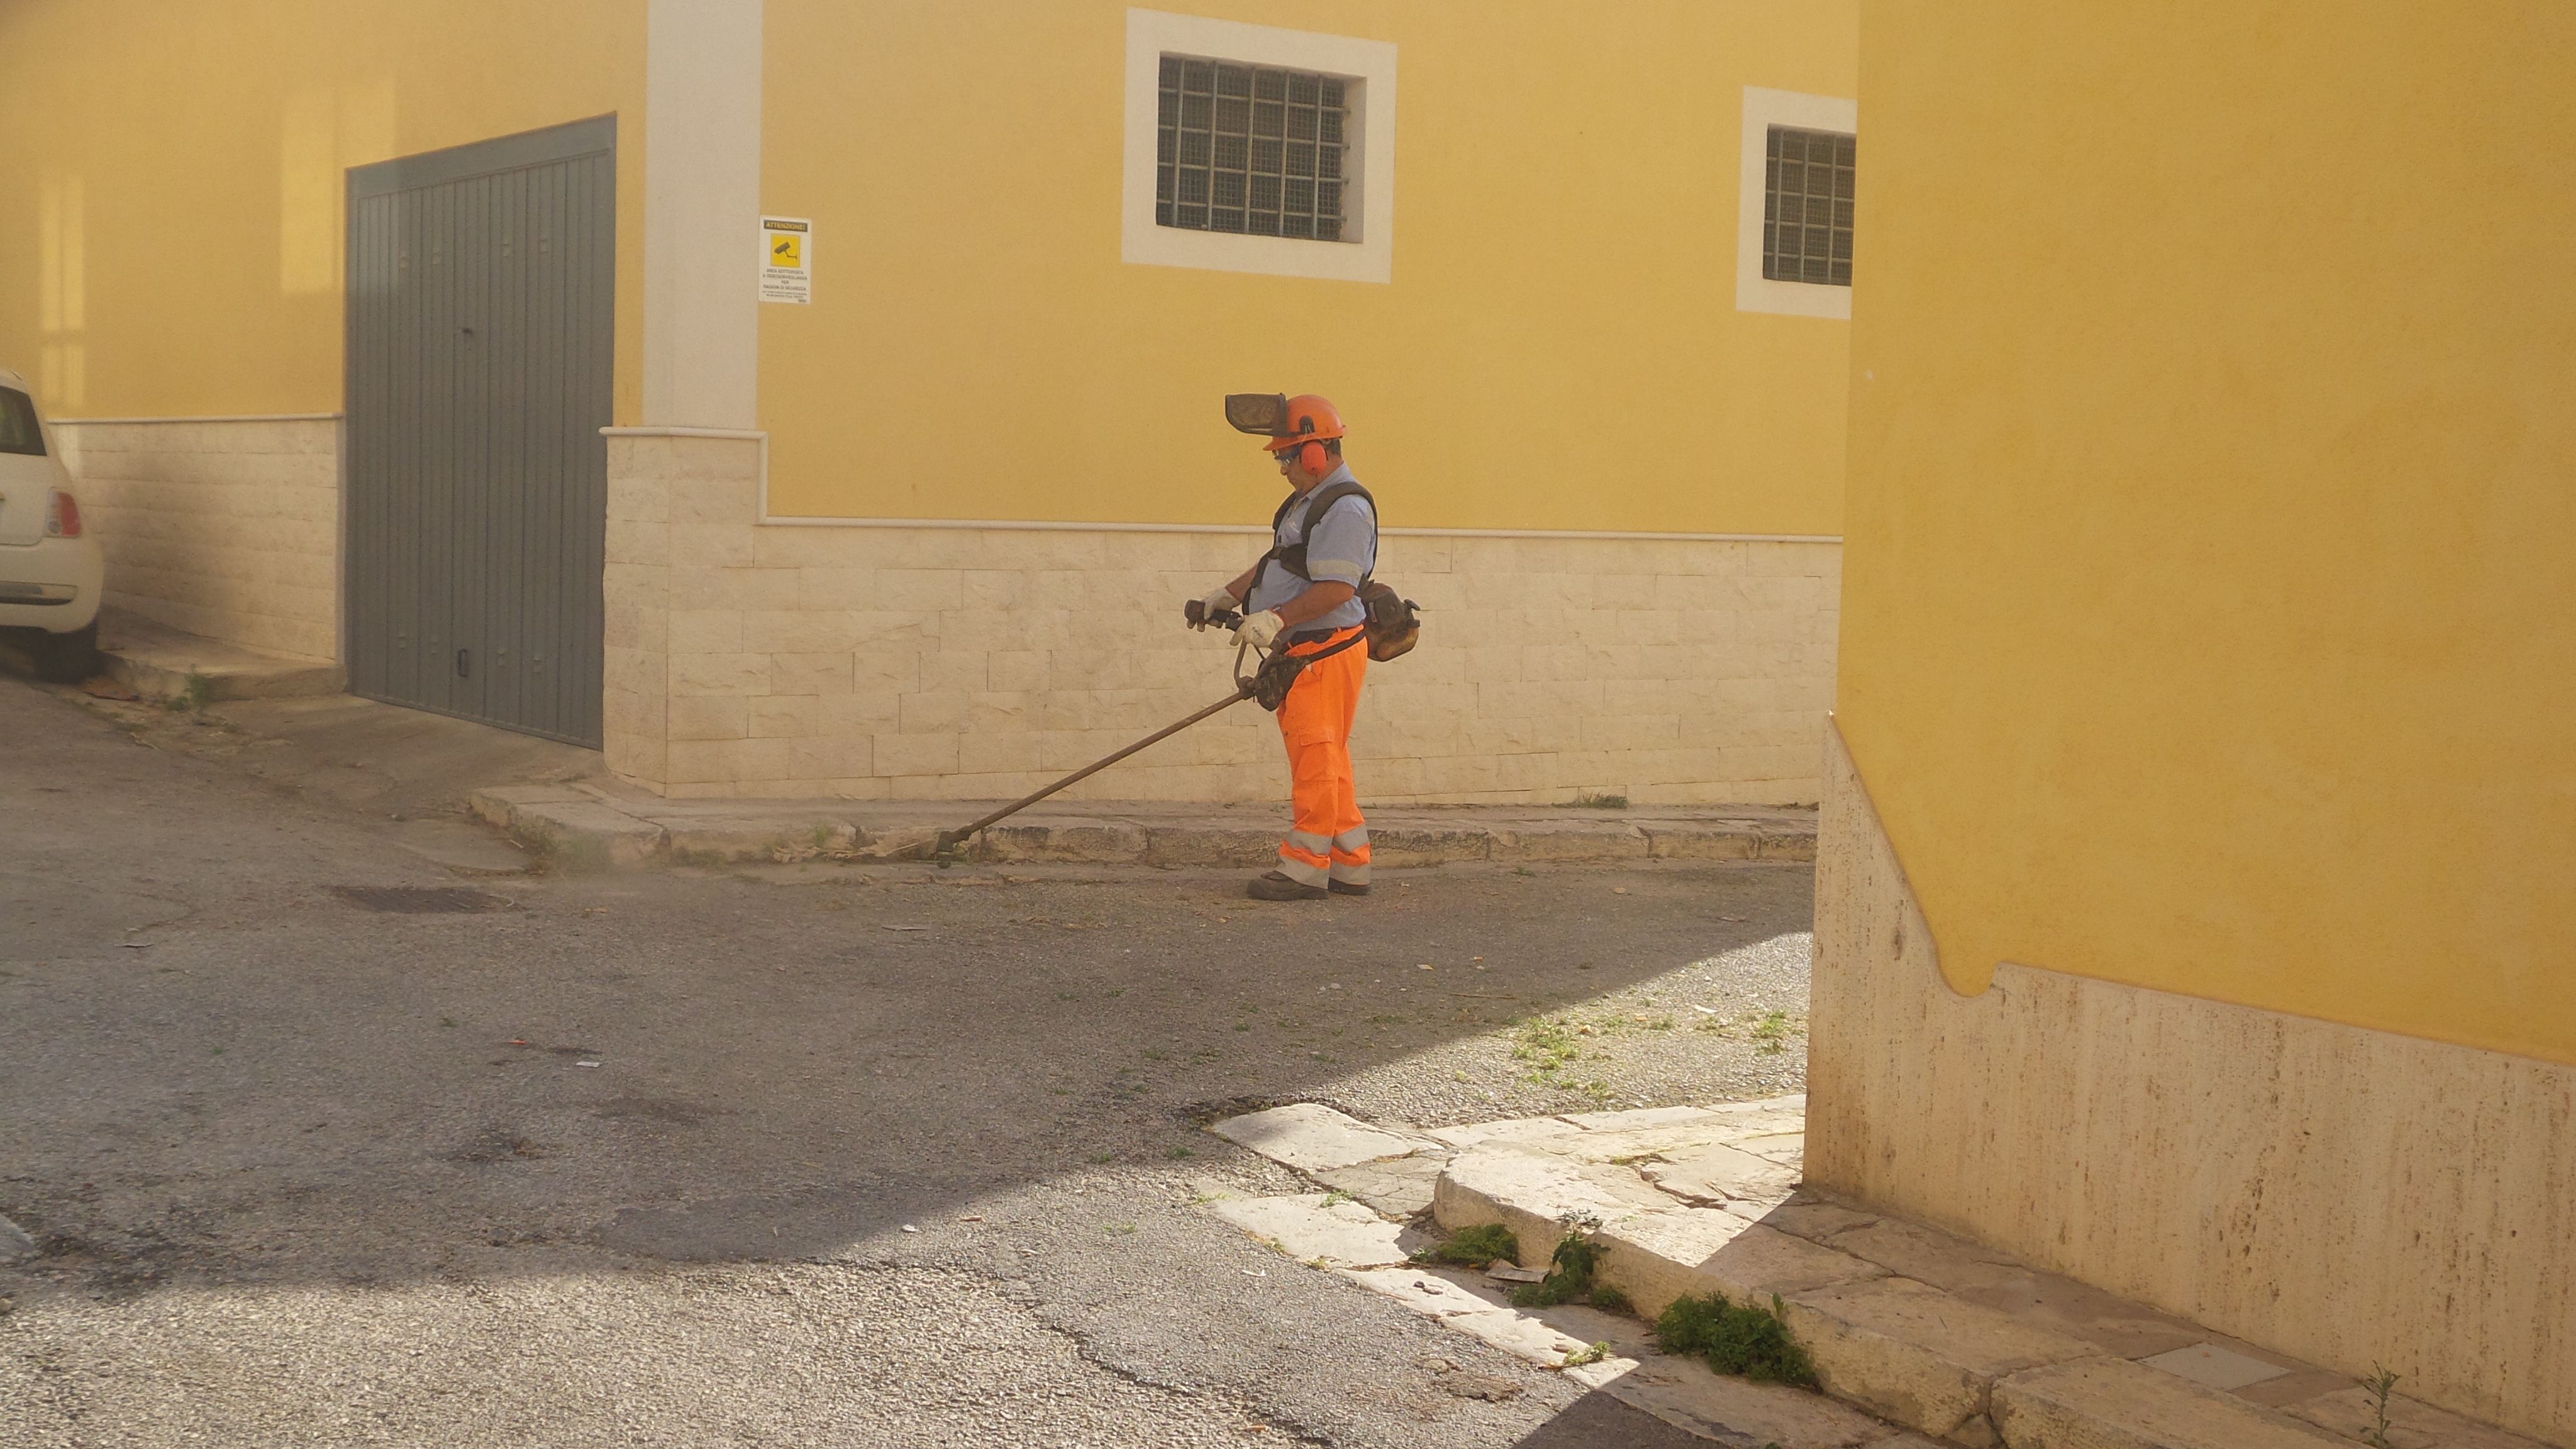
(1267, 683)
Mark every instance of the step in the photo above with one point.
(159, 662)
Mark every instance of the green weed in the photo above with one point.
(2379, 1385)
(1549, 1045)
(1609, 1299)
(1591, 1353)
(1572, 1264)
(1736, 1339)
(1598, 802)
(1473, 1247)
(1771, 1033)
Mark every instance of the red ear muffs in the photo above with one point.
(1312, 458)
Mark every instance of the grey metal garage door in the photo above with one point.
(480, 320)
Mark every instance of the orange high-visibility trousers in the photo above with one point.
(1330, 839)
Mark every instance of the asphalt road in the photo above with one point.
(810, 1155)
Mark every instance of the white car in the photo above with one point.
(51, 569)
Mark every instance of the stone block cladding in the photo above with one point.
(224, 527)
(977, 663)
(2348, 1196)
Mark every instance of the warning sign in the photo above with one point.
(786, 259)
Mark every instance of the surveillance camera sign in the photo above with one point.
(786, 259)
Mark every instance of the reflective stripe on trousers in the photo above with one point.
(1330, 841)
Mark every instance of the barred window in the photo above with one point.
(1250, 148)
(1807, 207)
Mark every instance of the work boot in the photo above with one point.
(1276, 886)
(1350, 888)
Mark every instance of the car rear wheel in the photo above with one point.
(68, 658)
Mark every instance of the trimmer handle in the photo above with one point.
(1199, 616)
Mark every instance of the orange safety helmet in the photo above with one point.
(1308, 422)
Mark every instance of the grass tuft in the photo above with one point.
(1736, 1339)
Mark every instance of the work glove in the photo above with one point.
(1259, 630)
(1220, 601)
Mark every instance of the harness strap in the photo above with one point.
(1292, 557)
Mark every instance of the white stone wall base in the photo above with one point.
(979, 663)
(224, 527)
(2348, 1196)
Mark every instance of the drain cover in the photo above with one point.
(422, 900)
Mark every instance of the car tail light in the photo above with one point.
(62, 516)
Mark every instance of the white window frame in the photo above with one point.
(1764, 109)
(1367, 70)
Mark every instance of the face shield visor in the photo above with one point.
(1262, 413)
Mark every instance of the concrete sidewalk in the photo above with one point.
(586, 825)
(1915, 1335)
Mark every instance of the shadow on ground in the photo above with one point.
(222, 1072)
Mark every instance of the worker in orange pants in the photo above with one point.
(1328, 845)
(1303, 596)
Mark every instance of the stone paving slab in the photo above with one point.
(2411, 1425)
(1399, 1187)
(2111, 1403)
(1516, 1129)
(728, 832)
(1314, 1138)
(1313, 1229)
(1434, 1296)
(1535, 1196)
(566, 826)
(1719, 1173)
(1917, 1356)
(1735, 1411)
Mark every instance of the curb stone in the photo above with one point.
(592, 829)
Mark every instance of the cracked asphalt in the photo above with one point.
(803, 1155)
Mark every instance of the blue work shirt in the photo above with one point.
(1343, 550)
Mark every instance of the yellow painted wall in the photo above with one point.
(2210, 591)
(173, 173)
(1559, 347)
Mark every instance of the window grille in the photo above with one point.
(1807, 208)
(1249, 148)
